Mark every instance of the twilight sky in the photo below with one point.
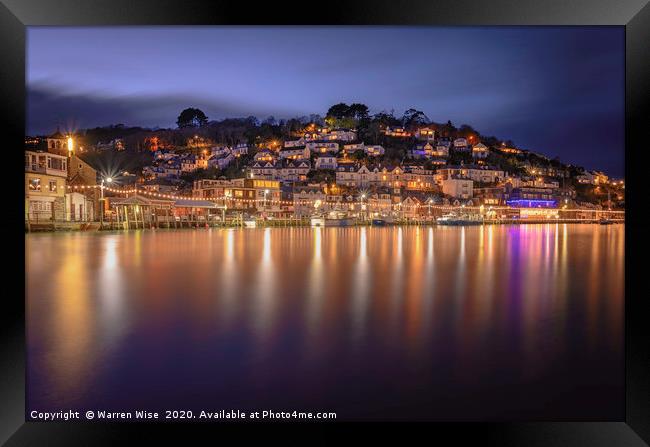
(554, 90)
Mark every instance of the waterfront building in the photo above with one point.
(79, 207)
(410, 207)
(138, 211)
(81, 174)
(381, 202)
(532, 197)
(45, 185)
(308, 200)
(261, 195)
(491, 196)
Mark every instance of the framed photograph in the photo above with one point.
(415, 219)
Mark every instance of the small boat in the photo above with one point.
(250, 222)
(317, 221)
(382, 221)
(452, 219)
(338, 222)
(605, 221)
(333, 219)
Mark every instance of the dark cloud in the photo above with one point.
(47, 109)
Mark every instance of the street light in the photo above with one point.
(226, 196)
(101, 199)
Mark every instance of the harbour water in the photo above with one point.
(501, 322)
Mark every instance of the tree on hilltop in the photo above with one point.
(191, 117)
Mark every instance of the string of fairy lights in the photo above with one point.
(299, 202)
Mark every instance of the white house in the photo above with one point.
(322, 147)
(396, 132)
(171, 170)
(80, 208)
(294, 153)
(425, 133)
(325, 161)
(477, 173)
(220, 151)
(480, 150)
(458, 187)
(222, 161)
(592, 178)
(374, 151)
(340, 135)
(422, 150)
(294, 143)
(284, 170)
(460, 144)
(193, 162)
(307, 200)
(240, 149)
(440, 151)
(352, 148)
(264, 155)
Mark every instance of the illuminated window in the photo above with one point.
(35, 184)
(52, 185)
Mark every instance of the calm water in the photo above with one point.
(494, 322)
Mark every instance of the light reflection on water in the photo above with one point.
(440, 323)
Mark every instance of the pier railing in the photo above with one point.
(43, 222)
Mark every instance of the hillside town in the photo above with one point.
(348, 168)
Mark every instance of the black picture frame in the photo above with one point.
(634, 15)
